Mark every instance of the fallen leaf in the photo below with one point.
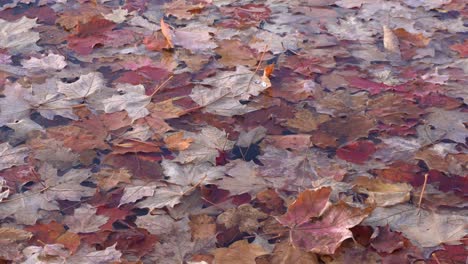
(85, 86)
(382, 193)
(309, 204)
(205, 146)
(240, 252)
(18, 36)
(132, 99)
(229, 89)
(245, 217)
(50, 62)
(243, 178)
(285, 253)
(357, 152)
(85, 220)
(387, 241)
(325, 234)
(176, 141)
(168, 34)
(424, 228)
(12, 156)
(202, 227)
(306, 121)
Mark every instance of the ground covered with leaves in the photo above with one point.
(233, 132)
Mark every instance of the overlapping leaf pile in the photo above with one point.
(217, 131)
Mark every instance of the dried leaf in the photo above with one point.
(240, 252)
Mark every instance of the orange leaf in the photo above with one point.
(417, 40)
(168, 33)
(268, 70)
(177, 141)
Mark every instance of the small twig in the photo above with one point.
(161, 85)
(423, 189)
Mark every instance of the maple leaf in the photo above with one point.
(10, 156)
(24, 207)
(67, 186)
(85, 86)
(424, 228)
(233, 53)
(325, 234)
(17, 36)
(18, 102)
(182, 9)
(229, 89)
(205, 146)
(242, 178)
(191, 175)
(309, 204)
(88, 255)
(158, 222)
(176, 245)
(306, 121)
(54, 153)
(240, 252)
(169, 196)
(85, 220)
(442, 124)
(382, 193)
(11, 242)
(356, 152)
(387, 241)
(50, 62)
(245, 217)
(137, 191)
(194, 38)
(296, 170)
(176, 142)
(108, 178)
(132, 99)
(286, 252)
(202, 227)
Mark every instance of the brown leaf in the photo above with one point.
(387, 241)
(234, 53)
(325, 234)
(245, 217)
(286, 253)
(177, 142)
(309, 204)
(382, 193)
(85, 220)
(168, 34)
(202, 227)
(390, 40)
(306, 121)
(300, 141)
(240, 252)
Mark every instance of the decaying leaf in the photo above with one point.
(233, 132)
(18, 35)
(245, 217)
(227, 89)
(383, 193)
(424, 228)
(205, 147)
(240, 252)
(132, 99)
(10, 156)
(85, 220)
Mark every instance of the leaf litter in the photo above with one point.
(206, 132)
